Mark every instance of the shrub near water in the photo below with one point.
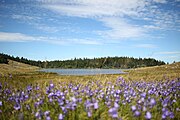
(92, 100)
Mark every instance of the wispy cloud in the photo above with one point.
(35, 21)
(25, 17)
(121, 18)
(115, 15)
(19, 37)
(145, 46)
(14, 37)
(120, 29)
(168, 52)
(168, 55)
(94, 8)
(160, 1)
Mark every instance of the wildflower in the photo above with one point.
(61, 102)
(137, 113)
(26, 97)
(116, 105)
(96, 105)
(73, 99)
(0, 103)
(89, 114)
(38, 115)
(113, 112)
(133, 108)
(29, 88)
(60, 117)
(47, 113)
(17, 107)
(50, 100)
(152, 102)
(148, 115)
(163, 116)
(171, 115)
(48, 118)
(51, 85)
(144, 108)
(143, 95)
(51, 94)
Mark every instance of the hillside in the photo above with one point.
(14, 67)
(170, 71)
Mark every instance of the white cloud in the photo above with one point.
(14, 37)
(107, 11)
(145, 46)
(44, 27)
(168, 56)
(119, 29)
(168, 52)
(35, 22)
(110, 13)
(24, 17)
(152, 27)
(160, 1)
(94, 8)
(19, 37)
(119, 16)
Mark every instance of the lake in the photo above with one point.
(83, 71)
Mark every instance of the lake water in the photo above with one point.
(83, 71)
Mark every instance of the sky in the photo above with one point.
(65, 29)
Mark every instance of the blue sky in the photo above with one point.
(64, 29)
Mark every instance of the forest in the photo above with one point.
(103, 62)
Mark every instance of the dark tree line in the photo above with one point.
(4, 59)
(104, 62)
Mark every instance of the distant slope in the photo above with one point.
(14, 67)
(170, 71)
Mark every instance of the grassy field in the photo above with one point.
(143, 93)
(14, 67)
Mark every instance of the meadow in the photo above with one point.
(143, 93)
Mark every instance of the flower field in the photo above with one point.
(116, 99)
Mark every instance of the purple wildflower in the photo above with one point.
(17, 107)
(0, 103)
(47, 113)
(144, 108)
(38, 115)
(29, 88)
(137, 113)
(143, 94)
(113, 112)
(96, 105)
(60, 117)
(48, 118)
(51, 85)
(171, 115)
(163, 116)
(148, 115)
(133, 108)
(61, 102)
(89, 114)
(116, 105)
(152, 102)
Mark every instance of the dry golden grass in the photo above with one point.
(28, 74)
(14, 67)
(170, 71)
